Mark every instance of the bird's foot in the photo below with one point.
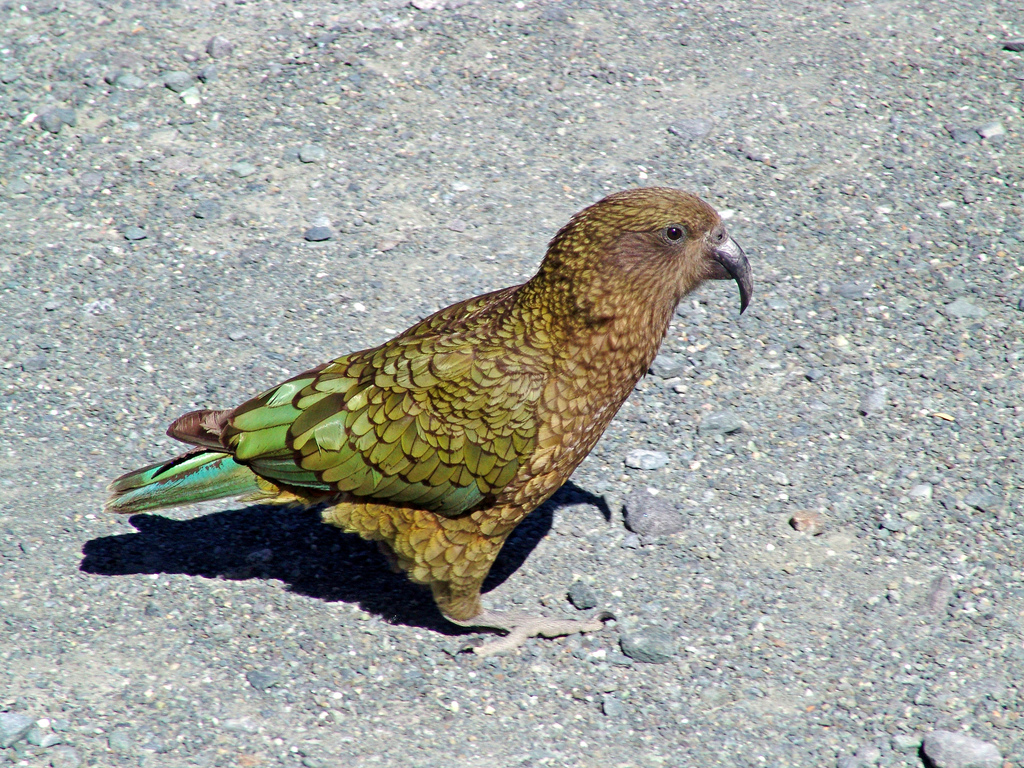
(520, 628)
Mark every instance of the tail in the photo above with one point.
(195, 476)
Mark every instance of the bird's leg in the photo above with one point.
(460, 604)
(520, 628)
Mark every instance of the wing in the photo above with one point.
(440, 418)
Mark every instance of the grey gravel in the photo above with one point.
(134, 233)
(948, 749)
(461, 137)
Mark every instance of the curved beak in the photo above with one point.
(734, 265)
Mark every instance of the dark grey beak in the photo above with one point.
(733, 261)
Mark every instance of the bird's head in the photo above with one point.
(643, 247)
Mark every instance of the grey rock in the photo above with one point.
(206, 209)
(874, 402)
(611, 705)
(922, 491)
(218, 47)
(991, 130)
(18, 187)
(129, 82)
(963, 135)
(869, 754)
(208, 73)
(854, 290)
(54, 119)
(651, 515)
(939, 594)
(720, 423)
(582, 596)
(849, 762)
(311, 153)
(262, 680)
(178, 81)
(318, 234)
(644, 459)
(690, 129)
(948, 749)
(119, 741)
(134, 233)
(906, 742)
(13, 727)
(64, 757)
(963, 307)
(668, 366)
(34, 363)
(1014, 45)
(651, 646)
(222, 631)
(41, 738)
(242, 169)
(814, 374)
(984, 500)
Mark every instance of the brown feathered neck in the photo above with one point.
(608, 273)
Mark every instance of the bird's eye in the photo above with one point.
(674, 233)
(719, 236)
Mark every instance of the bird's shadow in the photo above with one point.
(313, 559)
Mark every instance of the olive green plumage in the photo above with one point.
(438, 442)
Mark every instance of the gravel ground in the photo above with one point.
(198, 198)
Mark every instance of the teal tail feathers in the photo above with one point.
(192, 477)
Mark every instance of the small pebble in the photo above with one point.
(178, 81)
(582, 596)
(939, 594)
(963, 307)
(611, 706)
(119, 741)
(129, 82)
(991, 130)
(873, 402)
(808, 521)
(1014, 45)
(13, 727)
(651, 646)
(651, 515)
(922, 491)
(242, 169)
(648, 460)
(208, 73)
(814, 374)
(668, 366)
(318, 234)
(854, 290)
(134, 233)
(984, 500)
(64, 757)
(690, 129)
(906, 742)
(311, 153)
(262, 680)
(948, 749)
(218, 47)
(720, 423)
(206, 209)
(54, 119)
(963, 135)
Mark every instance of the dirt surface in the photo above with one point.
(832, 568)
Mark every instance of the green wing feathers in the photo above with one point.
(193, 477)
(439, 418)
(425, 420)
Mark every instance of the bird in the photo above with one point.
(439, 442)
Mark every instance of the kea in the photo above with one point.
(437, 443)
